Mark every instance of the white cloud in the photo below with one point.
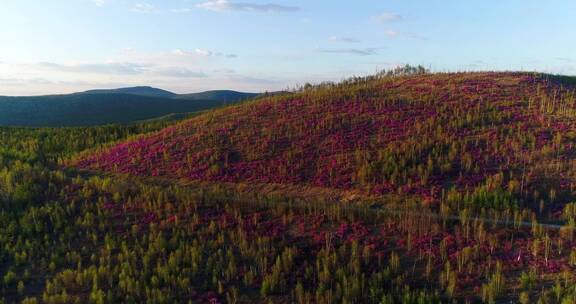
(387, 17)
(127, 50)
(224, 71)
(343, 39)
(122, 68)
(182, 74)
(99, 2)
(564, 59)
(397, 34)
(391, 33)
(352, 51)
(118, 68)
(203, 52)
(178, 52)
(226, 5)
(143, 8)
(180, 10)
(251, 79)
(179, 73)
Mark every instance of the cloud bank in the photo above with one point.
(352, 51)
(387, 17)
(226, 5)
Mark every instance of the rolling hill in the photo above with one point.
(493, 140)
(98, 107)
(141, 91)
(223, 95)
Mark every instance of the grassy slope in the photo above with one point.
(486, 139)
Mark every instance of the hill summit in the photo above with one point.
(489, 139)
(140, 90)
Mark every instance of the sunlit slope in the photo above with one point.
(488, 139)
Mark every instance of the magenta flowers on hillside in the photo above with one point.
(420, 135)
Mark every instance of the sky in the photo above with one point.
(63, 46)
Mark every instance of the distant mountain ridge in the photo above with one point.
(106, 106)
(224, 95)
(141, 90)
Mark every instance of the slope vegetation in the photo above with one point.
(494, 140)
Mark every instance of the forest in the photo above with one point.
(402, 187)
(102, 107)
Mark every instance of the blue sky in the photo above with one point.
(193, 45)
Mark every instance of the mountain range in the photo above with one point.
(108, 106)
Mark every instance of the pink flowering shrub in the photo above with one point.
(413, 135)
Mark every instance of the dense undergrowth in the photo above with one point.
(76, 236)
(484, 140)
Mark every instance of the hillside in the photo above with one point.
(98, 107)
(496, 140)
(268, 201)
(225, 95)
